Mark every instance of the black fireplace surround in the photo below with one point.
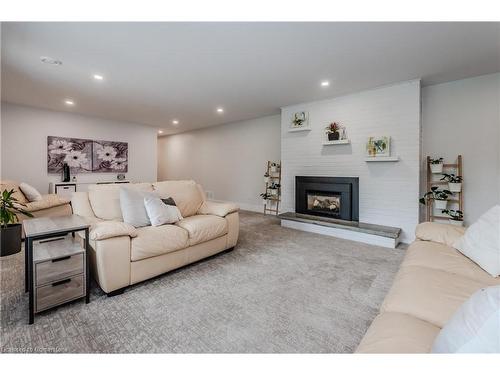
(335, 197)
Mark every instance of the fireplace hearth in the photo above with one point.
(334, 197)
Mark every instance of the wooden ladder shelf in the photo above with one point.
(272, 204)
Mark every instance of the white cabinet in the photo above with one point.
(64, 189)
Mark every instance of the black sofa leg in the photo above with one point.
(116, 292)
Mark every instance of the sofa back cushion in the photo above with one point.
(105, 199)
(188, 196)
(9, 185)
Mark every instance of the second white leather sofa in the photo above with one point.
(123, 255)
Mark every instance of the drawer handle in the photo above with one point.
(61, 282)
(59, 259)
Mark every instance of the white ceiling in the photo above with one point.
(157, 72)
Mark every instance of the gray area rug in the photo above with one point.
(279, 291)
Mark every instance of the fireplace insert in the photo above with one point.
(335, 197)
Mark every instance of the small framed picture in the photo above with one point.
(378, 146)
(300, 120)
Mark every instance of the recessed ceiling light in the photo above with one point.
(50, 60)
(220, 110)
(325, 83)
(69, 102)
(160, 131)
(98, 77)
(175, 122)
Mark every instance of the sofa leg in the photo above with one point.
(116, 292)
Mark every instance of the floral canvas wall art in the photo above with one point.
(111, 157)
(75, 152)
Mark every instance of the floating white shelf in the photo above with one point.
(382, 158)
(339, 142)
(304, 129)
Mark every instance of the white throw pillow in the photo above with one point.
(160, 213)
(481, 242)
(475, 326)
(30, 192)
(132, 206)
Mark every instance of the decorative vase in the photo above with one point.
(65, 173)
(455, 187)
(440, 204)
(10, 239)
(458, 223)
(437, 168)
(334, 136)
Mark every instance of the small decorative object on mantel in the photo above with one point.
(300, 121)
(333, 131)
(120, 177)
(436, 165)
(439, 197)
(378, 146)
(456, 217)
(454, 182)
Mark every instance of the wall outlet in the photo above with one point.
(209, 194)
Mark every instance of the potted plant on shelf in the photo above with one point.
(456, 217)
(274, 189)
(436, 165)
(332, 131)
(265, 197)
(274, 167)
(440, 197)
(10, 229)
(454, 182)
(267, 178)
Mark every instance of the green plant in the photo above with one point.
(435, 193)
(333, 128)
(266, 174)
(451, 178)
(436, 161)
(9, 208)
(456, 215)
(265, 195)
(274, 186)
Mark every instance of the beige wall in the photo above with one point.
(228, 160)
(463, 117)
(24, 132)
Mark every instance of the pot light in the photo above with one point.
(325, 83)
(160, 131)
(50, 60)
(175, 122)
(98, 77)
(69, 102)
(220, 110)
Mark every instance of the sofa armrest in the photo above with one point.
(108, 229)
(446, 234)
(221, 209)
(48, 201)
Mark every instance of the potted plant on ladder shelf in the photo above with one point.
(440, 197)
(456, 217)
(454, 182)
(436, 165)
(10, 229)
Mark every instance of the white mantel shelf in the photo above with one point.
(304, 129)
(338, 142)
(382, 158)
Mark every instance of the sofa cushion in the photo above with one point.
(132, 206)
(153, 241)
(48, 201)
(202, 228)
(392, 332)
(30, 192)
(441, 257)
(12, 185)
(221, 209)
(105, 199)
(428, 294)
(102, 230)
(160, 213)
(186, 193)
(437, 232)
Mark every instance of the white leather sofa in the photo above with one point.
(122, 255)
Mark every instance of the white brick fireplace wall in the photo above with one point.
(389, 191)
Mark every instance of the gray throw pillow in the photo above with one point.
(132, 205)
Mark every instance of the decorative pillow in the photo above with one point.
(30, 192)
(132, 207)
(481, 242)
(160, 213)
(475, 326)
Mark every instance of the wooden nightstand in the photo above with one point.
(57, 266)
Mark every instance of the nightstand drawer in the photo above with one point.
(59, 268)
(59, 292)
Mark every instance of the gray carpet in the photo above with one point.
(279, 291)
